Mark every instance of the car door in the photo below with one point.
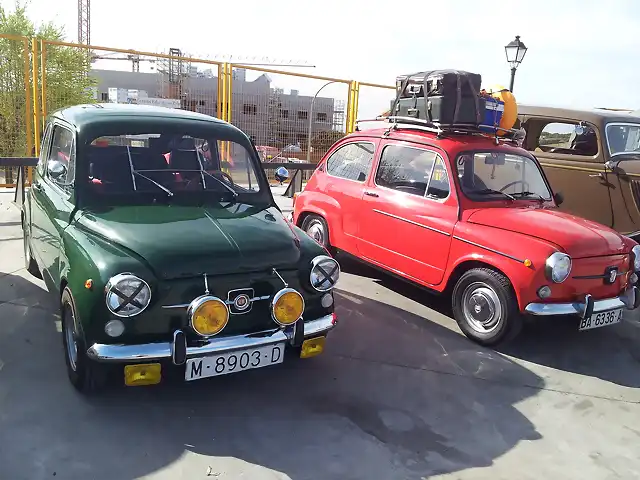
(52, 199)
(33, 210)
(408, 212)
(347, 170)
(574, 164)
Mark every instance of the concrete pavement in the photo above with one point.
(399, 394)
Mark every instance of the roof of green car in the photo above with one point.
(80, 115)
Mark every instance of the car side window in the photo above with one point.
(63, 150)
(413, 170)
(565, 138)
(352, 161)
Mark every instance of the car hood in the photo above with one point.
(181, 241)
(578, 237)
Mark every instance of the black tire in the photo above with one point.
(316, 227)
(496, 317)
(86, 376)
(29, 262)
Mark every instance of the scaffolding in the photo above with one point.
(172, 74)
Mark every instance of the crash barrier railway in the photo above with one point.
(296, 174)
(315, 113)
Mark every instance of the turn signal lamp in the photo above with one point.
(287, 306)
(208, 315)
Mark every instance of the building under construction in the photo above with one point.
(266, 113)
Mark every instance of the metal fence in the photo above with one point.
(292, 117)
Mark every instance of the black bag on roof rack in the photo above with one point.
(452, 97)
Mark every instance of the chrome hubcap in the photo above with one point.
(316, 231)
(72, 346)
(481, 307)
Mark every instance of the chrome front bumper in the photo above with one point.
(630, 300)
(166, 350)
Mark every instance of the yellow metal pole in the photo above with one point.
(43, 73)
(28, 105)
(347, 125)
(229, 91)
(36, 107)
(356, 98)
(220, 92)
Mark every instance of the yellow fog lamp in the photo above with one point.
(312, 347)
(143, 374)
(287, 307)
(208, 315)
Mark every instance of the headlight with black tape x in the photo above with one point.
(127, 295)
(325, 272)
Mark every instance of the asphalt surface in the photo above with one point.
(400, 393)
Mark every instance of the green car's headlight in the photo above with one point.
(127, 295)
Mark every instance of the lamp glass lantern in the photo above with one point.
(515, 51)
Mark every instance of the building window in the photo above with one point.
(202, 103)
(302, 115)
(284, 113)
(104, 96)
(249, 109)
(321, 117)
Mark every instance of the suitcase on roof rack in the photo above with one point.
(452, 97)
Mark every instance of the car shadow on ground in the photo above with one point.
(394, 396)
(609, 353)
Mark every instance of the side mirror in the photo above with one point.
(56, 169)
(611, 164)
(559, 198)
(282, 174)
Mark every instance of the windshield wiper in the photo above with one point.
(168, 192)
(490, 191)
(530, 194)
(233, 192)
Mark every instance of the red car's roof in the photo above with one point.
(451, 143)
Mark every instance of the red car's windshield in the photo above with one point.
(490, 175)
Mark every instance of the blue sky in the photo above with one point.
(581, 53)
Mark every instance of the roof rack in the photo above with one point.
(412, 123)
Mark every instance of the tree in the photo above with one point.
(67, 76)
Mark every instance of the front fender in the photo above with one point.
(505, 251)
(89, 257)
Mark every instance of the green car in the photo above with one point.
(158, 231)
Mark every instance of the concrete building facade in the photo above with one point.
(271, 116)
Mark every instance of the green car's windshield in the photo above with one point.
(170, 164)
(623, 138)
(496, 175)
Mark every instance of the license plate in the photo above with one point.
(232, 362)
(602, 319)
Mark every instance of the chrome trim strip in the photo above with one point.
(162, 350)
(186, 305)
(577, 308)
(595, 277)
(487, 248)
(411, 222)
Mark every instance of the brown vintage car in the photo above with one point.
(593, 158)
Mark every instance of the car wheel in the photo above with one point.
(85, 375)
(316, 227)
(29, 262)
(485, 307)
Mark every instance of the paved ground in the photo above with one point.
(400, 394)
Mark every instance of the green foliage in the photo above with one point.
(67, 76)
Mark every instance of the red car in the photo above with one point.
(472, 216)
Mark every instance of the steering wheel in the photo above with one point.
(227, 176)
(525, 185)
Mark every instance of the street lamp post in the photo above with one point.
(313, 101)
(515, 51)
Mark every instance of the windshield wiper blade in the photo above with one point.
(488, 191)
(530, 194)
(233, 192)
(168, 192)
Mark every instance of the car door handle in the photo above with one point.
(597, 175)
(371, 194)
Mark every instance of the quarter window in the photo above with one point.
(352, 161)
(413, 170)
(63, 150)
